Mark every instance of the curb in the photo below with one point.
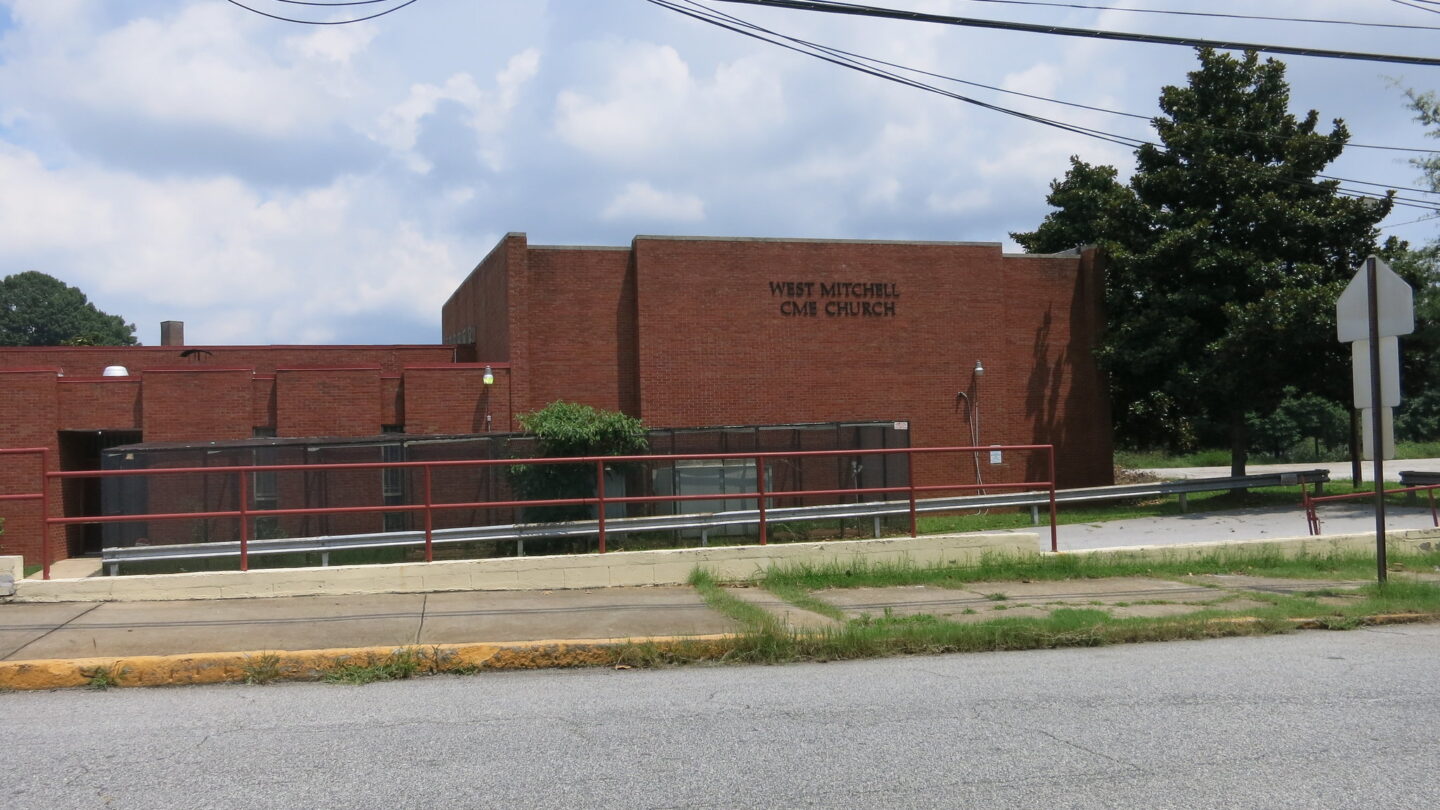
(430, 659)
(279, 665)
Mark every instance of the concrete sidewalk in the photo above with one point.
(113, 629)
(118, 629)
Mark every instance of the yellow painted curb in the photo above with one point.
(280, 665)
(268, 665)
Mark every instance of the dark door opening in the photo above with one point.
(80, 450)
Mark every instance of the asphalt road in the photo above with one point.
(1318, 719)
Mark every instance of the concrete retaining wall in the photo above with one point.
(661, 567)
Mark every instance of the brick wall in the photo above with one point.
(28, 414)
(455, 399)
(328, 402)
(582, 328)
(202, 403)
(718, 344)
(103, 403)
(190, 405)
(90, 361)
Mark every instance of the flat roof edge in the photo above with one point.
(622, 248)
(807, 240)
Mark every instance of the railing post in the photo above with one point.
(429, 520)
(1434, 518)
(1054, 536)
(44, 513)
(244, 489)
(600, 508)
(760, 490)
(910, 475)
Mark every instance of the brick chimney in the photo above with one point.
(172, 333)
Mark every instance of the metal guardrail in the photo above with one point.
(1417, 478)
(519, 533)
(762, 495)
(1312, 514)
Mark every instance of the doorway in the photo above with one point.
(80, 450)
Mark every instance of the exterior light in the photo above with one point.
(979, 369)
(489, 378)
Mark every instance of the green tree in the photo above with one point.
(1299, 416)
(41, 310)
(1418, 418)
(1225, 254)
(569, 429)
(1426, 107)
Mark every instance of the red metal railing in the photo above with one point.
(43, 496)
(429, 506)
(1312, 518)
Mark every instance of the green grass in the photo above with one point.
(1290, 497)
(803, 599)
(1001, 568)
(722, 601)
(1146, 459)
(766, 641)
(262, 668)
(104, 677)
(399, 664)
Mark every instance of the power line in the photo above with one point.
(1413, 221)
(713, 19)
(332, 2)
(324, 22)
(830, 7)
(754, 31)
(1218, 14)
(1032, 96)
(1413, 5)
(854, 56)
(1381, 185)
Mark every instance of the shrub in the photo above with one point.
(563, 429)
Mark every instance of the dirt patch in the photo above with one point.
(1124, 476)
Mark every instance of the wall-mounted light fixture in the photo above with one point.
(979, 369)
(489, 378)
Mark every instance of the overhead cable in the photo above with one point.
(853, 9)
(1413, 5)
(701, 12)
(1217, 14)
(299, 21)
(1108, 111)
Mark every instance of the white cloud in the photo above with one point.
(487, 110)
(185, 159)
(199, 65)
(253, 267)
(651, 102)
(642, 201)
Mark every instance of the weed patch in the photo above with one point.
(104, 677)
(262, 668)
(398, 665)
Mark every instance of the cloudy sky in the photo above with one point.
(274, 183)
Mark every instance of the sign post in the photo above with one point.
(1377, 304)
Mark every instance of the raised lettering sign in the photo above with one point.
(841, 299)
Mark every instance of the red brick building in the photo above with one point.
(681, 332)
